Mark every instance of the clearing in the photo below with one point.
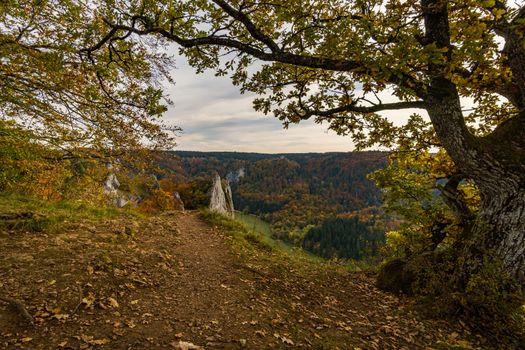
(165, 281)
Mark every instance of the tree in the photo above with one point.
(73, 95)
(346, 238)
(417, 188)
(332, 60)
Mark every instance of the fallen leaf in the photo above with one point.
(287, 340)
(102, 341)
(89, 300)
(113, 302)
(182, 345)
(60, 316)
(262, 333)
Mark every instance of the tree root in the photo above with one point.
(19, 307)
(80, 297)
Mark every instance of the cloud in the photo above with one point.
(214, 116)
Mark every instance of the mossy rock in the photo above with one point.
(395, 277)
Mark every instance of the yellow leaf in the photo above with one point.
(113, 302)
(99, 341)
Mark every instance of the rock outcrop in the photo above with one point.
(229, 199)
(221, 197)
(111, 186)
(235, 176)
(179, 204)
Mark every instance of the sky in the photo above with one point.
(214, 116)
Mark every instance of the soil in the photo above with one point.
(174, 281)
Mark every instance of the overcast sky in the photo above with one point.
(214, 116)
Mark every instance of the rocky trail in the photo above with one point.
(177, 282)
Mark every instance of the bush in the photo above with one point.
(491, 302)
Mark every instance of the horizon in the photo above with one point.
(282, 153)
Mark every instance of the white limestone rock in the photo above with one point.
(179, 204)
(221, 199)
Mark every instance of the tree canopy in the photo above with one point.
(72, 94)
(330, 59)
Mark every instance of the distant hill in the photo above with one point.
(293, 191)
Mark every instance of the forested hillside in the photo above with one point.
(294, 192)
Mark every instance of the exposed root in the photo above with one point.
(19, 307)
(80, 297)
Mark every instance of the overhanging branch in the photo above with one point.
(364, 109)
(263, 47)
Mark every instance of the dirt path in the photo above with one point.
(167, 281)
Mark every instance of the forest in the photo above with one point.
(294, 192)
(343, 238)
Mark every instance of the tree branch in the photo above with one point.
(453, 198)
(364, 109)
(250, 26)
(19, 307)
(275, 53)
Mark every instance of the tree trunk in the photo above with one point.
(498, 235)
(496, 164)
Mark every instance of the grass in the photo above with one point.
(261, 228)
(50, 216)
(255, 244)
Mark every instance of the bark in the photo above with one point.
(495, 163)
(498, 236)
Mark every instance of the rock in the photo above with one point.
(395, 277)
(220, 201)
(235, 176)
(111, 186)
(183, 345)
(179, 204)
(229, 199)
(121, 202)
